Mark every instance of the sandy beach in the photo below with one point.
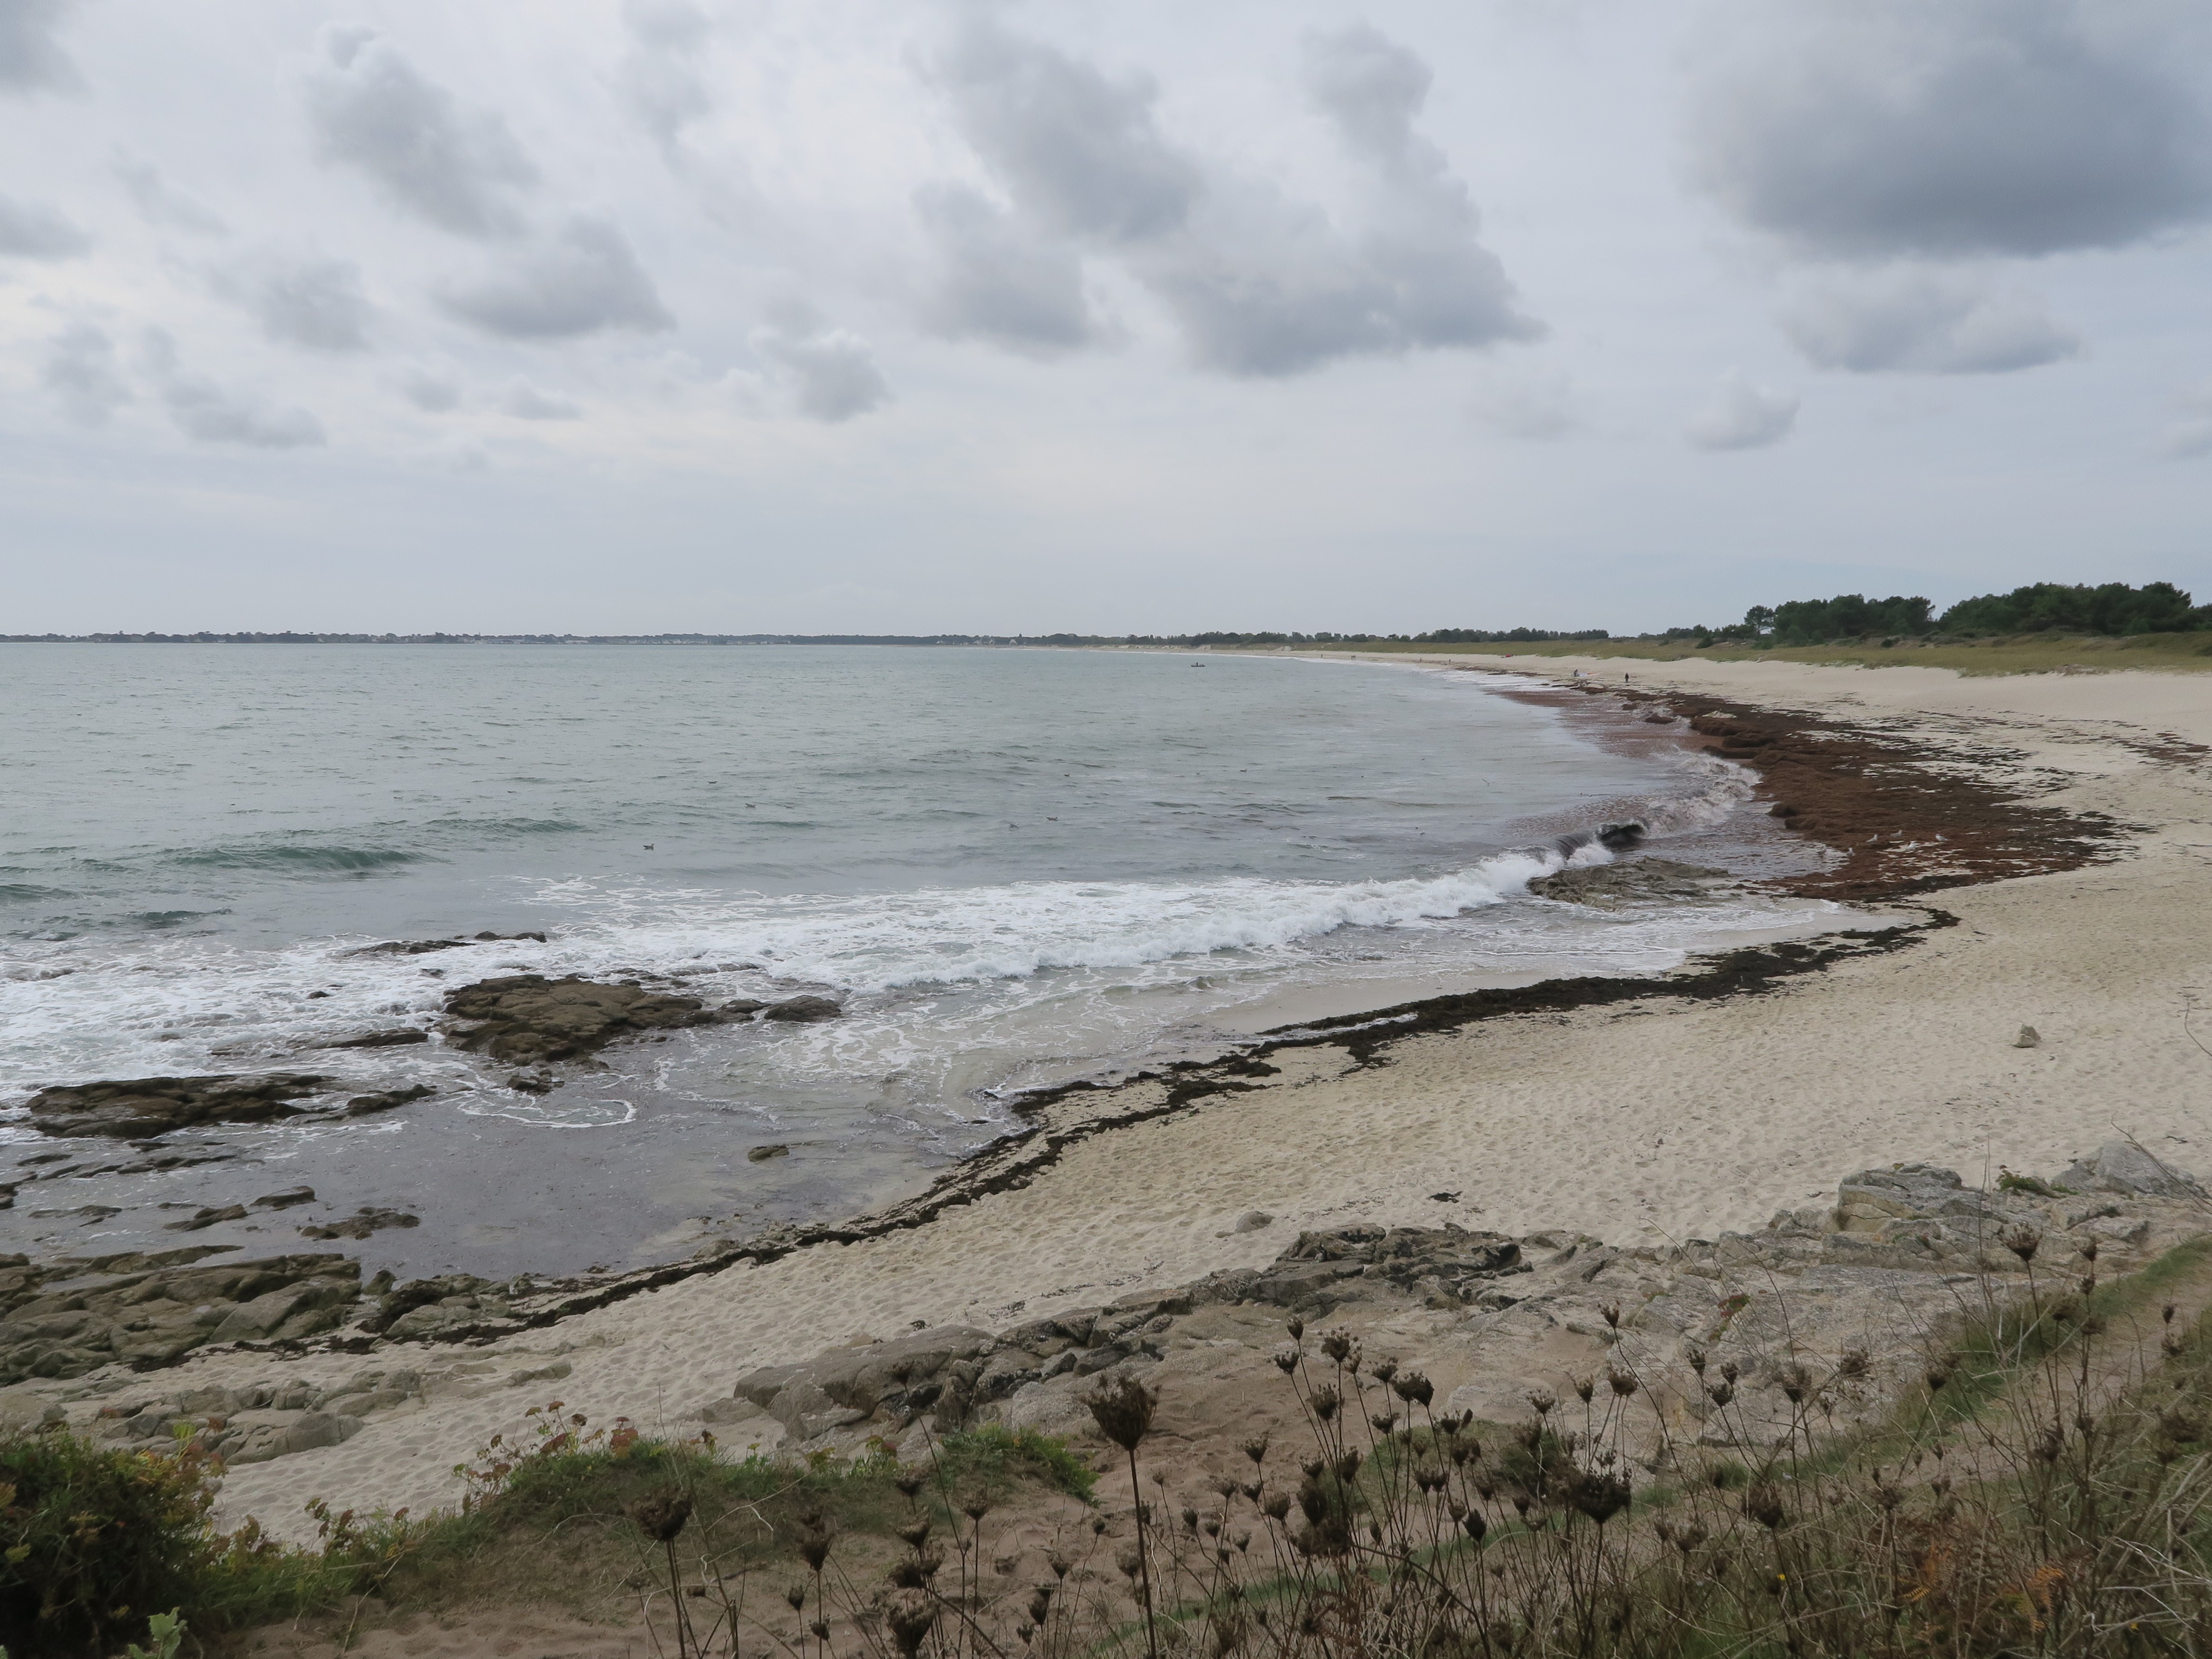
(1646, 1120)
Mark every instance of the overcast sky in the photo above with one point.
(891, 315)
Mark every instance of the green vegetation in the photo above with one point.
(97, 1544)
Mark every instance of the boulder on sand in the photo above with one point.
(849, 1385)
(804, 1009)
(2121, 1166)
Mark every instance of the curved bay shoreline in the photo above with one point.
(1632, 1109)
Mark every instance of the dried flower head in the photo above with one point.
(917, 1533)
(662, 1515)
(1585, 1386)
(1286, 1359)
(1256, 1450)
(1696, 1356)
(1296, 1328)
(1611, 1313)
(1600, 1497)
(2022, 1242)
(1541, 1400)
(795, 1593)
(1336, 1344)
(1414, 1388)
(910, 1619)
(1123, 1411)
(1324, 1401)
(1763, 1505)
(1383, 1369)
(1623, 1384)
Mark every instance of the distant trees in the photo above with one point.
(1506, 637)
(2112, 608)
(2108, 608)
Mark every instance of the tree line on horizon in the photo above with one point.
(2110, 608)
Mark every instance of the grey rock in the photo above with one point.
(361, 1224)
(1252, 1220)
(1910, 1192)
(846, 1385)
(2120, 1166)
(2029, 1037)
(762, 1154)
(285, 1200)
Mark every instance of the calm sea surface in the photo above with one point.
(1012, 866)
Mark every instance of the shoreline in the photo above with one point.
(1644, 1112)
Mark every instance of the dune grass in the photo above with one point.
(2023, 653)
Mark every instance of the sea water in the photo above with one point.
(1012, 867)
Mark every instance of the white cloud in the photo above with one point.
(458, 167)
(829, 374)
(211, 414)
(526, 403)
(583, 279)
(317, 304)
(2187, 436)
(81, 371)
(1922, 321)
(32, 230)
(31, 59)
(1742, 416)
(658, 79)
(161, 204)
(1260, 283)
(1875, 128)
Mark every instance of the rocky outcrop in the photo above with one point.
(140, 1109)
(2122, 1166)
(900, 1378)
(144, 1310)
(528, 1019)
(1861, 1286)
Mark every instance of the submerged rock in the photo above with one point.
(361, 1224)
(141, 1108)
(527, 1018)
(362, 1105)
(1609, 887)
(394, 1039)
(804, 1009)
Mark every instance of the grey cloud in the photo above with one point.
(1742, 416)
(659, 78)
(1924, 322)
(31, 60)
(583, 279)
(526, 403)
(831, 373)
(460, 168)
(317, 304)
(204, 412)
(995, 281)
(1859, 128)
(1259, 284)
(81, 371)
(1373, 87)
(162, 204)
(1076, 148)
(429, 390)
(31, 230)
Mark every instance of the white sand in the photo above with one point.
(1639, 1122)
